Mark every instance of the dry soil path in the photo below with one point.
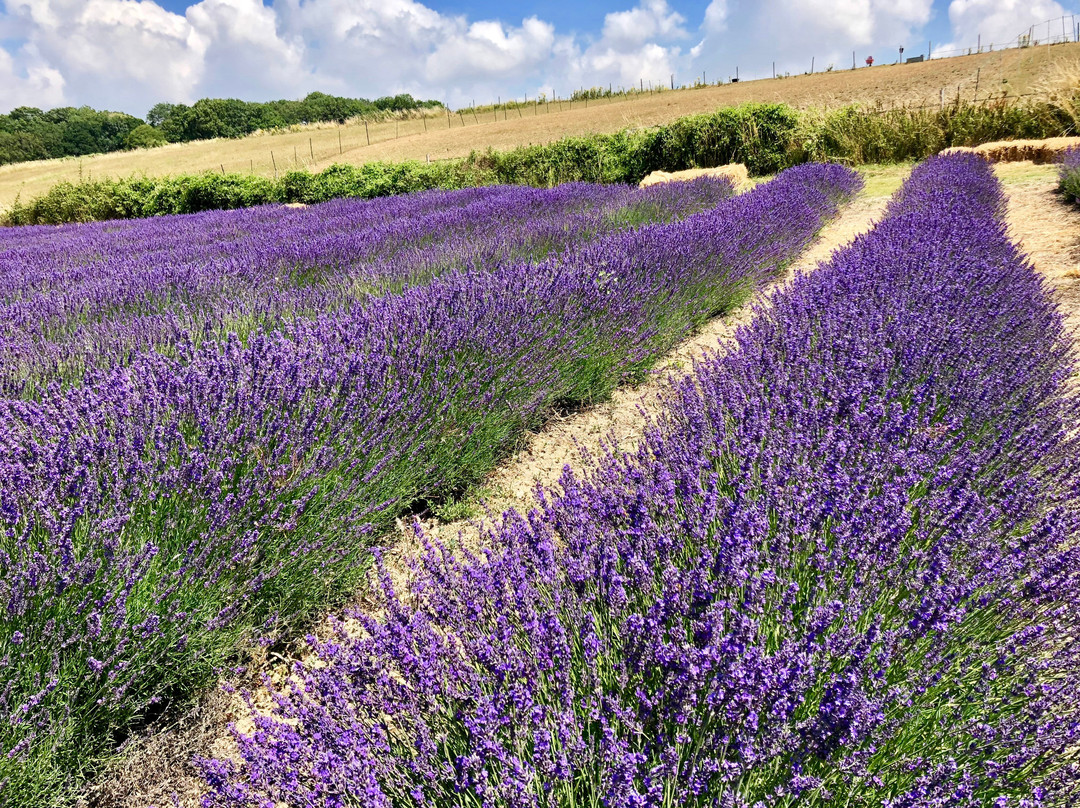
(1048, 230)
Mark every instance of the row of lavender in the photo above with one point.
(1069, 175)
(86, 297)
(841, 571)
(157, 516)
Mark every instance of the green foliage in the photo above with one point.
(230, 117)
(28, 133)
(766, 137)
(136, 197)
(144, 136)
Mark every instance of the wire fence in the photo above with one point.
(1049, 32)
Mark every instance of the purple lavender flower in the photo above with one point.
(841, 570)
(168, 492)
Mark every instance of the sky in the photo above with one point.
(127, 55)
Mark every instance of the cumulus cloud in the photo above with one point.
(108, 50)
(129, 54)
(233, 36)
(1001, 20)
(790, 32)
(35, 84)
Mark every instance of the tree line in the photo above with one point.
(28, 133)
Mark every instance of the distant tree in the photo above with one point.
(159, 113)
(145, 136)
(29, 133)
(19, 147)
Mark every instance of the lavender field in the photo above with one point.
(207, 421)
(842, 570)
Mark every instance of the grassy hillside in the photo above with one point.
(1012, 73)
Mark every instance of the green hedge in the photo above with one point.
(766, 137)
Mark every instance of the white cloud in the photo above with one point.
(795, 32)
(634, 46)
(39, 86)
(234, 35)
(651, 20)
(716, 14)
(130, 54)
(486, 50)
(1001, 20)
(113, 53)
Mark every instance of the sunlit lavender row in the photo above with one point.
(179, 504)
(841, 571)
(89, 296)
(1069, 175)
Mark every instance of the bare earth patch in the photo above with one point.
(1048, 230)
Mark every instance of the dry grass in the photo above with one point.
(1038, 152)
(1012, 72)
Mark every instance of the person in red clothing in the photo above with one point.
(869, 61)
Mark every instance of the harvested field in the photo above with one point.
(735, 172)
(1000, 73)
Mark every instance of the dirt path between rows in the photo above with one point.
(1048, 230)
(621, 421)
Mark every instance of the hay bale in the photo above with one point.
(1015, 151)
(961, 150)
(736, 172)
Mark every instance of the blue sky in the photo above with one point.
(130, 54)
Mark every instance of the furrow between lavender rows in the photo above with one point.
(841, 569)
(172, 509)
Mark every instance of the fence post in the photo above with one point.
(978, 71)
(272, 160)
(366, 132)
(311, 149)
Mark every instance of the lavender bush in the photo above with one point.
(74, 298)
(841, 571)
(162, 512)
(1069, 175)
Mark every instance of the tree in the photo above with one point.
(145, 136)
